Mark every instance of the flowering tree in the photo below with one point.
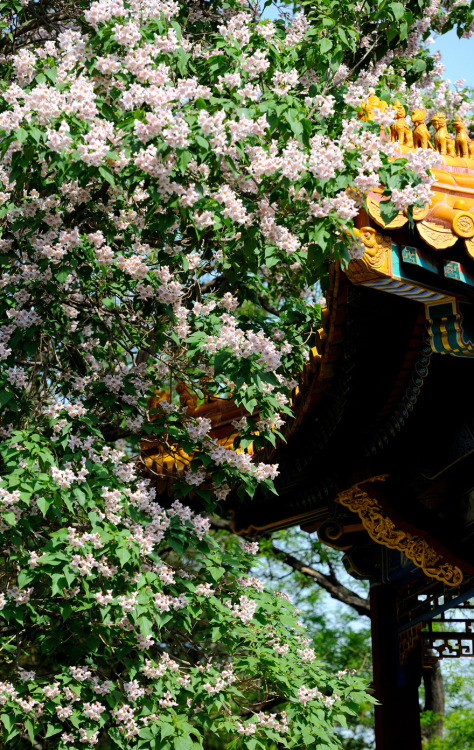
(174, 177)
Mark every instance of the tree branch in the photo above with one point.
(329, 583)
(268, 307)
(212, 284)
(336, 589)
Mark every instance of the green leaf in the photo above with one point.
(59, 583)
(51, 73)
(53, 729)
(31, 347)
(183, 58)
(79, 495)
(202, 142)
(183, 743)
(271, 256)
(24, 577)
(5, 397)
(36, 134)
(7, 721)
(391, 33)
(21, 135)
(177, 28)
(145, 625)
(398, 11)
(146, 733)
(107, 174)
(176, 544)
(30, 729)
(183, 160)
(62, 274)
(388, 211)
(419, 65)
(216, 573)
(9, 518)
(43, 504)
(123, 554)
(69, 574)
(325, 45)
(291, 117)
(166, 730)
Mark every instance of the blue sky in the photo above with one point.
(458, 56)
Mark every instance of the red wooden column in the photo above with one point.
(397, 718)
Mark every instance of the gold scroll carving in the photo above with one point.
(383, 531)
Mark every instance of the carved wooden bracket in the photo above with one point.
(383, 531)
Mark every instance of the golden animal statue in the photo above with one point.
(421, 134)
(367, 109)
(443, 142)
(400, 130)
(464, 145)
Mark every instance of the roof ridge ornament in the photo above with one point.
(421, 134)
(400, 130)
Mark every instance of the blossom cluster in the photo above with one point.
(168, 175)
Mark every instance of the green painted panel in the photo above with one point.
(415, 257)
(455, 270)
(396, 272)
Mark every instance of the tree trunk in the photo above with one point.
(434, 702)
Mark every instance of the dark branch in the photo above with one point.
(268, 307)
(327, 582)
(335, 588)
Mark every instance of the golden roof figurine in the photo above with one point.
(464, 145)
(421, 134)
(443, 142)
(400, 130)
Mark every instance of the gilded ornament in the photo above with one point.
(400, 130)
(377, 257)
(367, 110)
(443, 142)
(373, 207)
(464, 145)
(421, 134)
(375, 244)
(463, 224)
(436, 236)
(383, 531)
(420, 213)
(469, 243)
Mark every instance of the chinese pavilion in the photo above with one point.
(379, 455)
